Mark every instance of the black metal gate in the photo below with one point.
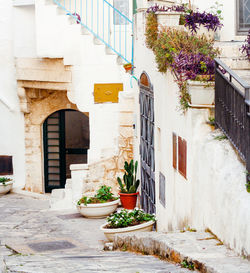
(147, 153)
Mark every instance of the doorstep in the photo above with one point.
(206, 253)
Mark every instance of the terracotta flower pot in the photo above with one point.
(128, 200)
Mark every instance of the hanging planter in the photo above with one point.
(168, 19)
(201, 93)
(128, 67)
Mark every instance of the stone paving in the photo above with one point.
(40, 240)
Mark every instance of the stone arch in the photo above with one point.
(41, 104)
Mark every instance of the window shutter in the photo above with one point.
(6, 167)
(174, 151)
(182, 156)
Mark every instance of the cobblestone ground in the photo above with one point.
(39, 240)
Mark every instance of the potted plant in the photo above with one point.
(102, 204)
(128, 67)
(129, 188)
(127, 221)
(5, 185)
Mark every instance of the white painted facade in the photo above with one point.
(11, 119)
(50, 33)
(213, 195)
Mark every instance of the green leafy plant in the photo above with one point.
(3, 180)
(211, 121)
(130, 184)
(126, 218)
(151, 31)
(220, 137)
(216, 9)
(103, 195)
(187, 56)
(248, 182)
(187, 264)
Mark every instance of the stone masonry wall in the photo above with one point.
(106, 170)
(41, 104)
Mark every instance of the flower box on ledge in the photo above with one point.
(168, 19)
(202, 93)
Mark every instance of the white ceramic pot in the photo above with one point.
(5, 188)
(168, 19)
(201, 93)
(111, 232)
(100, 210)
(208, 33)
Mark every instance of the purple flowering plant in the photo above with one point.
(245, 49)
(195, 19)
(192, 19)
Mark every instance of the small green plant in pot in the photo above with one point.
(129, 185)
(102, 204)
(5, 185)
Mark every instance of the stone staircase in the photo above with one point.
(231, 55)
(89, 58)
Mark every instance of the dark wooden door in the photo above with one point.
(147, 150)
(64, 144)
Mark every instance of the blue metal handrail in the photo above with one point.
(96, 16)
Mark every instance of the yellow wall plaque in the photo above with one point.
(107, 92)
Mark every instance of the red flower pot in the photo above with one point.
(128, 200)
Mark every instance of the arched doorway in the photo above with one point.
(147, 151)
(65, 142)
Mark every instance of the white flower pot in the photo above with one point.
(201, 93)
(6, 187)
(111, 232)
(203, 30)
(168, 19)
(100, 210)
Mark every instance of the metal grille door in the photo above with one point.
(147, 145)
(66, 142)
(54, 150)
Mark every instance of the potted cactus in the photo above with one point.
(129, 186)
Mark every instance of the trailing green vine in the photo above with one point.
(151, 32)
(187, 56)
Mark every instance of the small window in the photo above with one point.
(180, 154)
(243, 16)
(123, 7)
(6, 167)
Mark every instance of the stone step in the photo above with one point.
(61, 199)
(240, 63)
(202, 249)
(230, 49)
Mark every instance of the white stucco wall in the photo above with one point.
(56, 37)
(24, 31)
(213, 195)
(11, 120)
